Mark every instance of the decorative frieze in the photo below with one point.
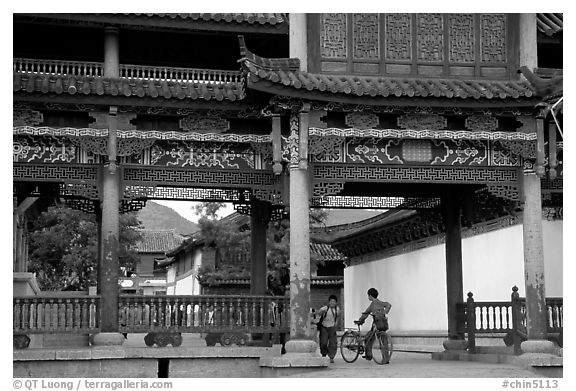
(422, 134)
(336, 201)
(432, 174)
(333, 36)
(204, 124)
(429, 38)
(366, 36)
(154, 176)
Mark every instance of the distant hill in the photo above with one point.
(159, 217)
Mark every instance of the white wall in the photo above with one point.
(415, 283)
(187, 284)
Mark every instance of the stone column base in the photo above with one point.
(538, 346)
(301, 346)
(107, 339)
(455, 344)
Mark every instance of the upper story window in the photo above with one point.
(430, 45)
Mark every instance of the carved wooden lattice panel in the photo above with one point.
(461, 32)
(366, 33)
(333, 36)
(493, 37)
(354, 173)
(430, 37)
(398, 36)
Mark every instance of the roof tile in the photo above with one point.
(550, 24)
(284, 72)
(59, 84)
(158, 241)
(252, 18)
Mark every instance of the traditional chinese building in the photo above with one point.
(414, 112)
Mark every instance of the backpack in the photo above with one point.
(380, 320)
(381, 323)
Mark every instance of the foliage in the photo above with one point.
(228, 240)
(207, 275)
(63, 248)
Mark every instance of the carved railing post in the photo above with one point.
(516, 320)
(471, 323)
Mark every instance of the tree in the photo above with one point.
(63, 248)
(228, 240)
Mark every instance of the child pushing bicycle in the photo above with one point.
(378, 309)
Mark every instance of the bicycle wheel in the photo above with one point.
(382, 348)
(350, 346)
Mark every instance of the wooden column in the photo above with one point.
(534, 258)
(111, 52)
(108, 265)
(301, 334)
(19, 222)
(259, 217)
(451, 209)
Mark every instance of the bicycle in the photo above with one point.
(353, 343)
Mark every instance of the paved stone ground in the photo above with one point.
(418, 365)
(402, 365)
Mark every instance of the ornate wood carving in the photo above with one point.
(398, 37)
(27, 117)
(422, 121)
(493, 38)
(481, 123)
(204, 124)
(430, 37)
(443, 174)
(417, 151)
(322, 189)
(362, 120)
(366, 36)
(326, 149)
(509, 192)
(333, 36)
(461, 34)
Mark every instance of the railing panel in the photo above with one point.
(129, 71)
(493, 316)
(72, 314)
(259, 314)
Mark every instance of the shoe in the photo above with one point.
(367, 357)
(332, 360)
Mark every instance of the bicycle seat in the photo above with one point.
(357, 322)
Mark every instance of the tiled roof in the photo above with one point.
(285, 73)
(550, 24)
(325, 252)
(86, 85)
(333, 233)
(252, 18)
(192, 240)
(314, 281)
(158, 241)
